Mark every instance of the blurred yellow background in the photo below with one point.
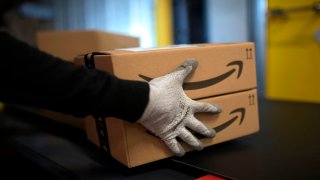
(293, 53)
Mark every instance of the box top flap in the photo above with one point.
(182, 47)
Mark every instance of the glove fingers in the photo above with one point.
(199, 127)
(175, 146)
(187, 137)
(186, 69)
(205, 107)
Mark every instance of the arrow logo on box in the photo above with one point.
(241, 111)
(211, 81)
(241, 115)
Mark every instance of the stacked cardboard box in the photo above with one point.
(226, 75)
(69, 44)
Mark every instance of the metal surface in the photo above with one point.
(65, 153)
(287, 147)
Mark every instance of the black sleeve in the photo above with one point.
(34, 78)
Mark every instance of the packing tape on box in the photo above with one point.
(100, 121)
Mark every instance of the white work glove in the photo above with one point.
(170, 111)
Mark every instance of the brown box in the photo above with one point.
(69, 44)
(130, 143)
(225, 75)
(223, 68)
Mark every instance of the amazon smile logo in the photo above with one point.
(240, 114)
(211, 81)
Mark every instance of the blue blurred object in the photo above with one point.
(317, 35)
(38, 11)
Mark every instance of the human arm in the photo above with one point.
(33, 78)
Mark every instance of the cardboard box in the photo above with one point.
(225, 75)
(132, 145)
(223, 68)
(69, 44)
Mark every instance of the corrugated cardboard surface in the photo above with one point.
(227, 73)
(222, 68)
(69, 44)
(132, 145)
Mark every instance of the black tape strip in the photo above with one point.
(102, 133)
(89, 59)
(100, 121)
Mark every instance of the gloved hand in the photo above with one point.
(170, 111)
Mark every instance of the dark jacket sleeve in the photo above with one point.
(33, 78)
